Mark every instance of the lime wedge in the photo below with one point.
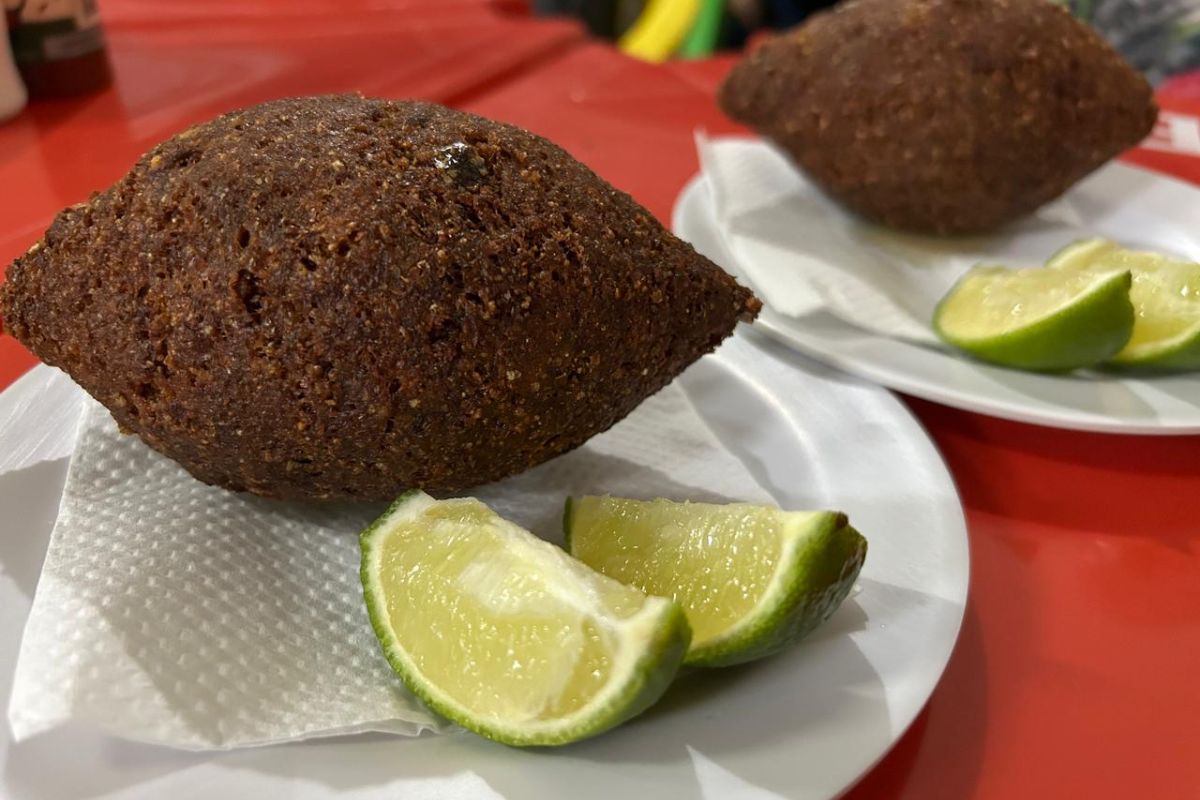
(1037, 319)
(752, 579)
(1166, 301)
(507, 635)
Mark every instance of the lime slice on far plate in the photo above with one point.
(752, 579)
(1166, 301)
(1038, 319)
(507, 635)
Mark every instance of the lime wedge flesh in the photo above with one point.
(752, 579)
(1038, 319)
(1081, 253)
(1166, 301)
(506, 634)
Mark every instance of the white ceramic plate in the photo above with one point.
(1168, 404)
(804, 724)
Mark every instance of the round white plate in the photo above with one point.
(1168, 404)
(804, 724)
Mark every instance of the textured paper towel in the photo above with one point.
(803, 253)
(177, 613)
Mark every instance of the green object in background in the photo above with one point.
(701, 40)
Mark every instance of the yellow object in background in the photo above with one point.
(660, 29)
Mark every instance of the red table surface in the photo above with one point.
(1075, 673)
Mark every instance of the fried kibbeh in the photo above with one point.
(942, 116)
(335, 297)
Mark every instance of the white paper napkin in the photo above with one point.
(177, 613)
(804, 253)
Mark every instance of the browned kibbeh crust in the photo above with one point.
(344, 297)
(942, 116)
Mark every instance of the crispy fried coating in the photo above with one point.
(336, 297)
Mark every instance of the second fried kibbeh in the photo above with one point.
(336, 297)
(942, 116)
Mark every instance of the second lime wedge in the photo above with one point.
(752, 579)
(1166, 301)
(1038, 319)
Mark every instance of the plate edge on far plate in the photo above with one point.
(692, 200)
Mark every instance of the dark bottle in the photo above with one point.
(58, 46)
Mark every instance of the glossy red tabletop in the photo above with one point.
(1076, 673)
